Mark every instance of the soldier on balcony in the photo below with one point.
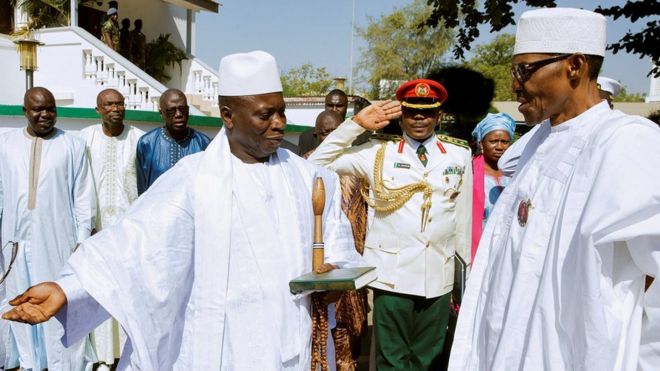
(138, 44)
(110, 30)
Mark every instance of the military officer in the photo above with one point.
(419, 217)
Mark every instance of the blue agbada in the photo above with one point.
(157, 152)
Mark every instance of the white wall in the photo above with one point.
(61, 71)
(158, 18)
(654, 90)
(12, 82)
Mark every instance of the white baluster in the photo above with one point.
(89, 68)
(98, 61)
(123, 86)
(199, 84)
(207, 88)
(154, 103)
(214, 98)
(133, 98)
(104, 73)
(112, 76)
(144, 98)
(148, 102)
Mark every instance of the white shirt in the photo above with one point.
(113, 166)
(566, 290)
(47, 205)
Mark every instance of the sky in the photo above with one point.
(319, 32)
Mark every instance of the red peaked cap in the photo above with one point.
(422, 89)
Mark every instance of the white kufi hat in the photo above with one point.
(561, 31)
(250, 73)
(609, 85)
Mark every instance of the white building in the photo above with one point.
(75, 65)
(654, 90)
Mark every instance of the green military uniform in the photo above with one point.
(138, 48)
(112, 28)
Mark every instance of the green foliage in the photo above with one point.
(624, 96)
(45, 13)
(468, 15)
(399, 48)
(493, 60)
(645, 43)
(306, 80)
(161, 54)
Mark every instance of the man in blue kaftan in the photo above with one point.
(161, 148)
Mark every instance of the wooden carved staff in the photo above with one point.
(319, 307)
(318, 204)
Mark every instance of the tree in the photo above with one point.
(44, 13)
(162, 54)
(398, 48)
(624, 96)
(493, 60)
(306, 80)
(466, 16)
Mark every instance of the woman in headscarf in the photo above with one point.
(494, 135)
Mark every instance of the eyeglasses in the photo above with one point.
(172, 111)
(523, 71)
(14, 253)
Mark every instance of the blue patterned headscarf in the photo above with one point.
(492, 122)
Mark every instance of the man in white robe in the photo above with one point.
(47, 206)
(558, 279)
(111, 146)
(197, 270)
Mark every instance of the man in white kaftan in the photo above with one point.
(558, 279)
(47, 206)
(111, 146)
(197, 270)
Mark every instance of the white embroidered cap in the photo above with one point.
(250, 73)
(561, 31)
(609, 85)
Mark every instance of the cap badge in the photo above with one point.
(422, 89)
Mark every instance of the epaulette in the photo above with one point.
(386, 137)
(452, 140)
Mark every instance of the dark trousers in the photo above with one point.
(409, 330)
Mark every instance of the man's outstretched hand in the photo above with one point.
(378, 115)
(38, 304)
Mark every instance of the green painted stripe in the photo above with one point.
(132, 115)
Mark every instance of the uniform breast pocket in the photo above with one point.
(385, 260)
(399, 177)
(451, 185)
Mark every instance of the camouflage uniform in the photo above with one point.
(113, 29)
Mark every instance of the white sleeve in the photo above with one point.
(2, 200)
(84, 198)
(336, 153)
(625, 209)
(81, 314)
(464, 213)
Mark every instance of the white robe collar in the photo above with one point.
(213, 218)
